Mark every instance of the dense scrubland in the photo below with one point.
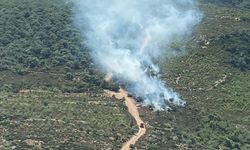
(41, 48)
(213, 76)
(51, 91)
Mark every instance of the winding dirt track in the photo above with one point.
(133, 110)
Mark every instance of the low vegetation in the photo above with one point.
(54, 120)
(213, 78)
(51, 91)
(41, 48)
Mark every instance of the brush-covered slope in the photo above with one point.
(54, 120)
(42, 60)
(50, 91)
(214, 78)
(40, 47)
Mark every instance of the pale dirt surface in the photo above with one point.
(37, 144)
(133, 110)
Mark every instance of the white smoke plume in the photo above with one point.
(126, 36)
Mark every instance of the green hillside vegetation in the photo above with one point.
(51, 93)
(40, 47)
(43, 59)
(54, 120)
(213, 76)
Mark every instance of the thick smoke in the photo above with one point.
(126, 36)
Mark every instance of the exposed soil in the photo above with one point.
(133, 110)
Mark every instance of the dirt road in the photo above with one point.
(133, 110)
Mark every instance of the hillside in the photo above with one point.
(213, 76)
(41, 48)
(51, 92)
